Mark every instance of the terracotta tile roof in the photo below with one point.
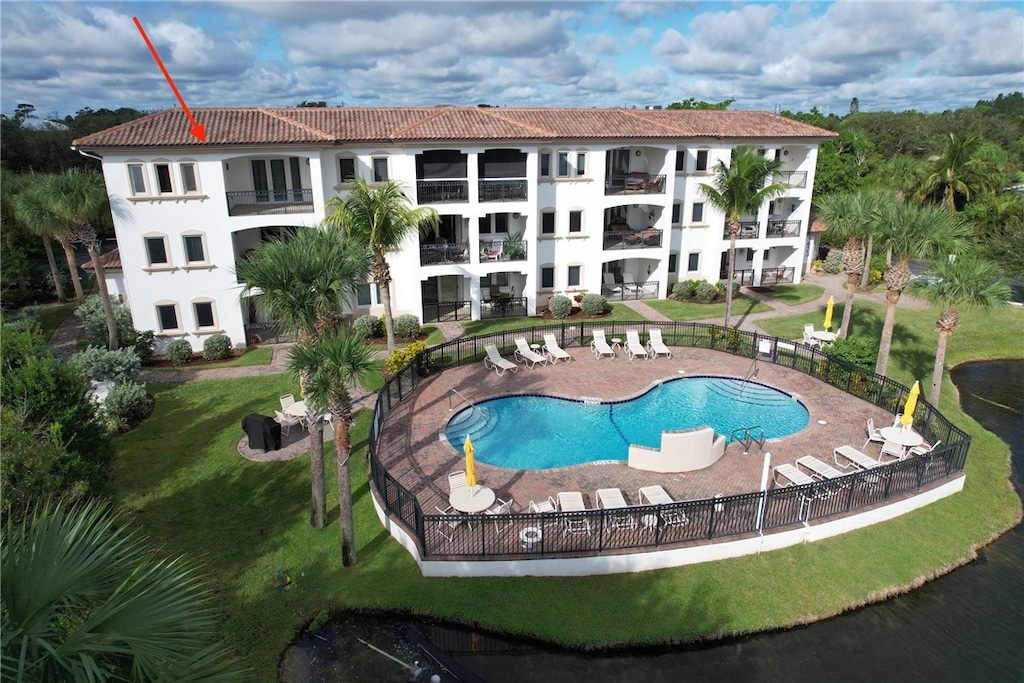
(110, 261)
(340, 125)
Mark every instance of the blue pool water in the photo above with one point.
(541, 432)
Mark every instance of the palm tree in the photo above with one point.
(910, 231)
(845, 217)
(962, 282)
(303, 282)
(380, 219)
(86, 599)
(33, 208)
(332, 365)
(13, 184)
(958, 171)
(739, 189)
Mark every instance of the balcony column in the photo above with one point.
(473, 177)
(475, 296)
(758, 264)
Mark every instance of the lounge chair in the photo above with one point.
(495, 362)
(854, 458)
(286, 421)
(630, 285)
(527, 355)
(612, 499)
(656, 495)
(818, 468)
(600, 345)
(791, 475)
(634, 347)
(553, 350)
(572, 501)
(873, 434)
(610, 285)
(657, 345)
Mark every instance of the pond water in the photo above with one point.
(964, 626)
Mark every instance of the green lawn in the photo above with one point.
(180, 476)
(619, 313)
(791, 295)
(255, 355)
(685, 310)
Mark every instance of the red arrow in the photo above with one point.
(198, 129)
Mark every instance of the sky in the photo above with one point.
(773, 56)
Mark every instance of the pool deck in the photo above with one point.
(414, 451)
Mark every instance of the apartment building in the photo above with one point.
(533, 203)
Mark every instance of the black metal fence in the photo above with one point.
(594, 531)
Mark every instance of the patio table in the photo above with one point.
(471, 499)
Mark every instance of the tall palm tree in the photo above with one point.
(34, 209)
(962, 282)
(739, 189)
(85, 599)
(380, 218)
(332, 364)
(910, 231)
(958, 171)
(845, 217)
(303, 282)
(13, 184)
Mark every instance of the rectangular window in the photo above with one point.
(575, 221)
(204, 314)
(680, 161)
(702, 160)
(545, 164)
(167, 317)
(485, 225)
(547, 223)
(189, 183)
(547, 277)
(163, 178)
(673, 262)
(697, 215)
(501, 223)
(563, 164)
(156, 250)
(363, 294)
(574, 276)
(581, 164)
(693, 262)
(380, 169)
(347, 170)
(676, 211)
(137, 177)
(194, 252)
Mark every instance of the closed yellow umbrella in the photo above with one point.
(828, 311)
(470, 463)
(908, 408)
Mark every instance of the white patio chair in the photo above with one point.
(924, 448)
(809, 340)
(286, 401)
(891, 449)
(873, 434)
(447, 526)
(543, 506)
(501, 509)
(457, 480)
(286, 421)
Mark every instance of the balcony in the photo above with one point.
(769, 276)
(502, 190)
(511, 249)
(266, 202)
(748, 231)
(634, 183)
(442, 191)
(440, 254)
(627, 291)
(620, 236)
(791, 178)
(783, 228)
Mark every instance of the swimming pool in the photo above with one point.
(542, 432)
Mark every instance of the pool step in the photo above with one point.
(476, 422)
(748, 392)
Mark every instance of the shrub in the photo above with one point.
(721, 286)
(594, 304)
(560, 306)
(877, 269)
(833, 263)
(179, 351)
(126, 405)
(706, 293)
(686, 289)
(217, 347)
(401, 357)
(144, 345)
(407, 326)
(860, 351)
(94, 322)
(110, 367)
(367, 326)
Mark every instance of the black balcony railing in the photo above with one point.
(503, 190)
(634, 183)
(783, 228)
(632, 239)
(432, 254)
(503, 250)
(748, 230)
(623, 291)
(447, 311)
(708, 519)
(791, 178)
(503, 307)
(441, 191)
(263, 202)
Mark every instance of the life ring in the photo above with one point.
(531, 535)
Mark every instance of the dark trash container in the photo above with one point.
(263, 431)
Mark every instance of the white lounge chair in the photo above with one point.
(854, 458)
(495, 362)
(612, 499)
(600, 345)
(656, 495)
(791, 475)
(527, 355)
(657, 345)
(553, 350)
(634, 347)
(286, 421)
(572, 501)
(818, 468)
(631, 285)
(610, 285)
